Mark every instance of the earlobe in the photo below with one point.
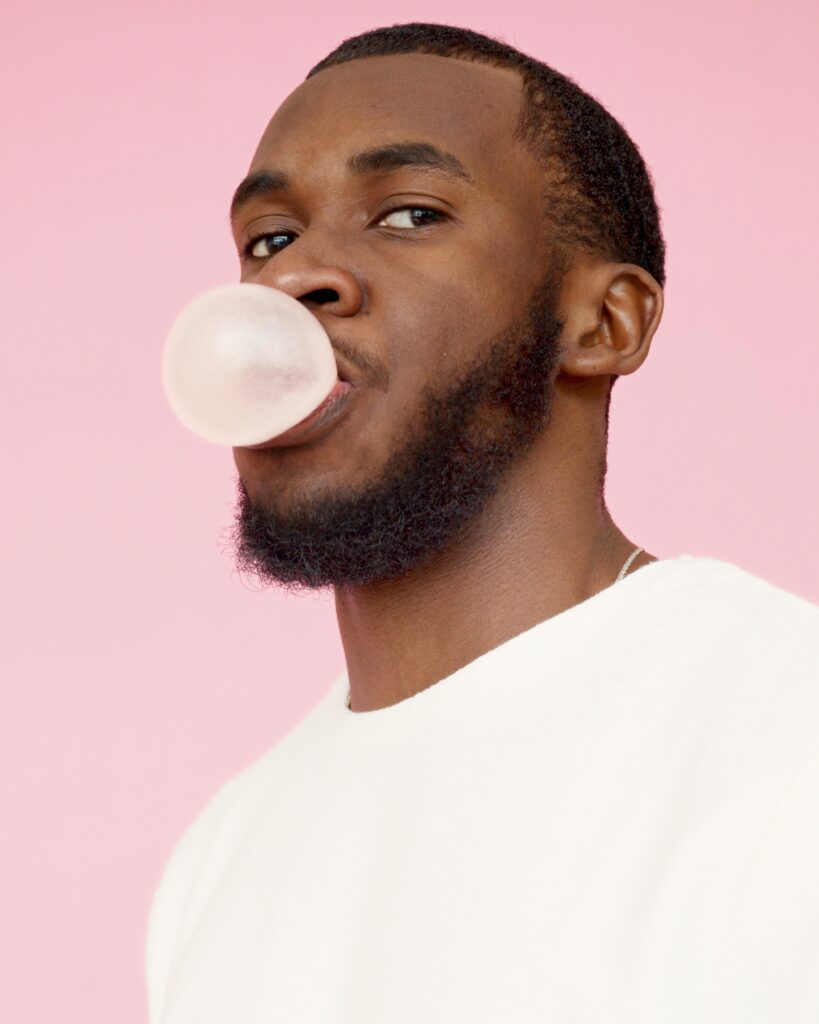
(624, 304)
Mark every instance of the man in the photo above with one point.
(561, 779)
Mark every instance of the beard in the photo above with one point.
(431, 489)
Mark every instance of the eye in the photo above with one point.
(406, 217)
(266, 245)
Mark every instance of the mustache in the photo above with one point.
(373, 373)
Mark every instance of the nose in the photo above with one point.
(317, 283)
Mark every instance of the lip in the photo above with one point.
(317, 422)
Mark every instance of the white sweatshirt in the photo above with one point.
(611, 817)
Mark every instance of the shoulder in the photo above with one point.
(734, 660)
(194, 864)
(715, 574)
(734, 601)
(763, 638)
(209, 844)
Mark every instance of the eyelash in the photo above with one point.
(247, 250)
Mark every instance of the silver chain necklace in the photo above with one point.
(629, 560)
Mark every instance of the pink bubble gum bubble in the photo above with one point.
(243, 363)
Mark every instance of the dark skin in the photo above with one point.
(409, 298)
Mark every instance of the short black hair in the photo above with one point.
(599, 197)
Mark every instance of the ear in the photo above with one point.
(611, 311)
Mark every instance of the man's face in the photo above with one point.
(433, 277)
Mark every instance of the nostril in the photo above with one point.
(321, 295)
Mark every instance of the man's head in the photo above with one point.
(436, 209)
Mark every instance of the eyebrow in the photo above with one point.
(266, 184)
(408, 154)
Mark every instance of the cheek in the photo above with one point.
(436, 327)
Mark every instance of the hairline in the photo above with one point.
(521, 69)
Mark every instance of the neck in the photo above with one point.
(544, 543)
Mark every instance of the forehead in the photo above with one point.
(464, 107)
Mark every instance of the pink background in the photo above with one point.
(139, 671)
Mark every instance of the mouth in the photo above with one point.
(328, 407)
(317, 421)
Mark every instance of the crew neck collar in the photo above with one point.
(557, 630)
